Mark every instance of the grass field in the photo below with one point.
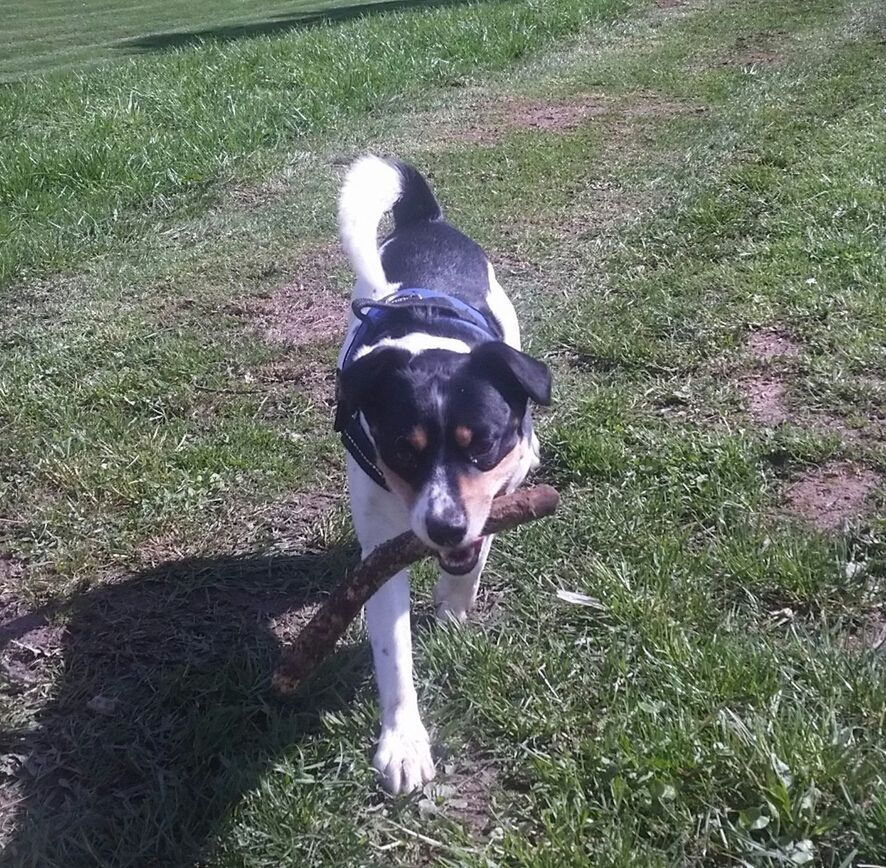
(89, 161)
(48, 36)
(686, 202)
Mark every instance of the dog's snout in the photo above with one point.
(448, 529)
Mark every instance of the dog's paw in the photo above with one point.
(403, 758)
(454, 598)
(451, 613)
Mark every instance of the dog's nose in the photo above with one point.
(447, 530)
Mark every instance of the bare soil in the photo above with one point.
(559, 116)
(490, 121)
(472, 805)
(761, 49)
(873, 632)
(312, 378)
(765, 396)
(300, 315)
(830, 495)
(307, 310)
(259, 195)
(765, 390)
(28, 641)
(12, 569)
(765, 344)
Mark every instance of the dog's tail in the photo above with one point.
(373, 187)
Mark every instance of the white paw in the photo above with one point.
(451, 613)
(403, 758)
(454, 598)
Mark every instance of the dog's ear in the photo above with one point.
(359, 380)
(520, 371)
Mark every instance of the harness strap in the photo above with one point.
(354, 439)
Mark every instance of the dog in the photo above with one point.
(433, 395)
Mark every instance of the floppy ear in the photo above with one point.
(357, 382)
(530, 376)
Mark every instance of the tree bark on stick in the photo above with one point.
(331, 620)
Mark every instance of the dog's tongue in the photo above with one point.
(460, 560)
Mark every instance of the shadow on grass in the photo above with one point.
(162, 715)
(274, 24)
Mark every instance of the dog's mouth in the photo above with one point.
(460, 560)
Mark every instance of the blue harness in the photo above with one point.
(407, 306)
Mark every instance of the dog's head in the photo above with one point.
(451, 431)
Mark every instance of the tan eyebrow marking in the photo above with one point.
(463, 436)
(418, 438)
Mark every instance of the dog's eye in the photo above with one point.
(482, 453)
(404, 452)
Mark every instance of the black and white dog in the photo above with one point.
(433, 396)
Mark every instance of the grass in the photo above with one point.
(89, 161)
(48, 36)
(171, 494)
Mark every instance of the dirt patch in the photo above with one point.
(28, 641)
(471, 802)
(753, 58)
(307, 310)
(12, 569)
(764, 391)
(828, 423)
(832, 494)
(868, 633)
(488, 610)
(488, 122)
(765, 397)
(293, 525)
(559, 116)
(161, 548)
(296, 523)
(257, 196)
(300, 315)
(570, 114)
(18, 621)
(28, 653)
(874, 389)
(511, 264)
(761, 49)
(766, 344)
(873, 632)
(39, 638)
(289, 623)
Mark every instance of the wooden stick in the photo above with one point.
(331, 620)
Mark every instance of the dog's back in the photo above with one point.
(422, 251)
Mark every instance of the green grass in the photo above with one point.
(48, 36)
(90, 161)
(169, 487)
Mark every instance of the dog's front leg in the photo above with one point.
(454, 595)
(403, 758)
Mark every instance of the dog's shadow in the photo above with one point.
(162, 715)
